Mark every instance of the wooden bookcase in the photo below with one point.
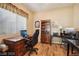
(45, 31)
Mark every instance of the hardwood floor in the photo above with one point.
(47, 50)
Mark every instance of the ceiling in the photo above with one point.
(39, 7)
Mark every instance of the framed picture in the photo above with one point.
(37, 24)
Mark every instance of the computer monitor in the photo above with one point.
(70, 30)
(23, 33)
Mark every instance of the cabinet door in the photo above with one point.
(45, 38)
(20, 48)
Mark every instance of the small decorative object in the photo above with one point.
(60, 27)
(54, 25)
(37, 24)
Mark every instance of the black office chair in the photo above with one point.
(32, 42)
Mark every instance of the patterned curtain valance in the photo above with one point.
(13, 8)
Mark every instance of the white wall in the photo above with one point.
(62, 16)
(76, 16)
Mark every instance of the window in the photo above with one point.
(11, 22)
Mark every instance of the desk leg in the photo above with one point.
(71, 49)
(67, 49)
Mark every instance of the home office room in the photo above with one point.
(39, 29)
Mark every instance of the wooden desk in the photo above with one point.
(73, 44)
(16, 46)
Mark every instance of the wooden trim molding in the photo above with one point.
(13, 8)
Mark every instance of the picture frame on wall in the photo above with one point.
(37, 24)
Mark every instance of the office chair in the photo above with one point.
(32, 42)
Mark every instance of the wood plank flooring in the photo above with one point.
(47, 50)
